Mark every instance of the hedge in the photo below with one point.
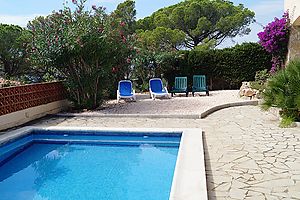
(225, 68)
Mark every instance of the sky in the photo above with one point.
(21, 11)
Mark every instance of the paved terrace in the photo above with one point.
(247, 155)
(176, 106)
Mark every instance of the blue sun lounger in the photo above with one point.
(125, 90)
(156, 88)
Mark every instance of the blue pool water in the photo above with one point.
(53, 168)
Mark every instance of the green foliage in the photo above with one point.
(88, 48)
(262, 76)
(164, 39)
(126, 15)
(149, 64)
(283, 91)
(206, 45)
(260, 82)
(287, 122)
(13, 55)
(227, 68)
(224, 68)
(200, 20)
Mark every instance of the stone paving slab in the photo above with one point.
(247, 155)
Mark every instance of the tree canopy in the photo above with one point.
(126, 14)
(200, 20)
(13, 55)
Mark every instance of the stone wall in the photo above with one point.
(294, 44)
(293, 6)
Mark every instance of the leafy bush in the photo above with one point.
(283, 91)
(262, 76)
(224, 68)
(260, 82)
(90, 49)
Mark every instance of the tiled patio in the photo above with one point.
(247, 155)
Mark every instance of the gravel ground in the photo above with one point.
(175, 105)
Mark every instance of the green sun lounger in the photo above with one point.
(180, 86)
(199, 84)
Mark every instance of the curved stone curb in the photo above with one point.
(156, 116)
(228, 105)
(152, 116)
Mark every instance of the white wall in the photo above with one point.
(293, 6)
(21, 117)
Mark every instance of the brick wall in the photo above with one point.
(18, 98)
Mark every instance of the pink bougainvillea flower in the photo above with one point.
(274, 39)
(94, 7)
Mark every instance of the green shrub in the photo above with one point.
(260, 82)
(257, 85)
(224, 68)
(286, 122)
(90, 49)
(283, 91)
(262, 76)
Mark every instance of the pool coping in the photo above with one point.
(189, 180)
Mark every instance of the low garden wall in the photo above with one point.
(21, 104)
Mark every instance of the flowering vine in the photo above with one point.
(275, 39)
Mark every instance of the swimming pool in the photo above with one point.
(88, 163)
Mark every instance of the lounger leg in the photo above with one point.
(187, 94)
(134, 98)
(193, 93)
(207, 93)
(172, 94)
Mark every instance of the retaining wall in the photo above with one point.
(22, 104)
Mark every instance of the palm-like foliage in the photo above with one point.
(283, 91)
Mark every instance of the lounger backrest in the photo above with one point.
(156, 85)
(181, 83)
(125, 87)
(199, 81)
